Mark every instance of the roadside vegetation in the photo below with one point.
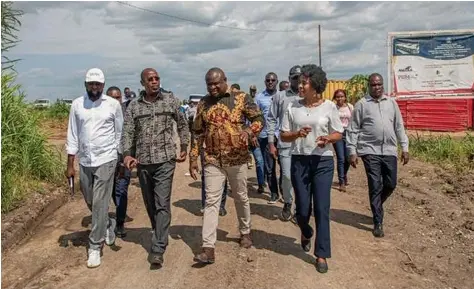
(58, 111)
(445, 151)
(27, 158)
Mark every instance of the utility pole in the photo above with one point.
(319, 38)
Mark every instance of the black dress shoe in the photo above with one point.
(155, 258)
(378, 231)
(305, 243)
(120, 231)
(222, 212)
(322, 267)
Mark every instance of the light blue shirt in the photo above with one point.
(264, 101)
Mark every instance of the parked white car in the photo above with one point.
(67, 101)
(42, 103)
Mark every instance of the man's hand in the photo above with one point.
(273, 150)
(322, 141)
(244, 137)
(254, 141)
(354, 161)
(405, 158)
(130, 162)
(304, 131)
(182, 157)
(193, 169)
(70, 172)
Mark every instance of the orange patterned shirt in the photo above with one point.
(217, 127)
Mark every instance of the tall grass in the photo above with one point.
(448, 152)
(27, 158)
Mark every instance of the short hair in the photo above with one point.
(126, 88)
(271, 73)
(316, 75)
(337, 91)
(114, 88)
(235, 85)
(283, 83)
(374, 75)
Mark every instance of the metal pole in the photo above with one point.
(319, 37)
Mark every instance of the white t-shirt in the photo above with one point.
(323, 119)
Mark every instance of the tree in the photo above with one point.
(357, 87)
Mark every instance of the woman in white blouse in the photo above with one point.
(340, 147)
(311, 125)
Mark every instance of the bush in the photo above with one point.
(445, 151)
(27, 158)
(59, 110)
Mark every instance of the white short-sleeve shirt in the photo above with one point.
(323, 119)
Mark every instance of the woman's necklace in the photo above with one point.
(309, 106)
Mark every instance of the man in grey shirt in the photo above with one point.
(375, 130)
(275, 116)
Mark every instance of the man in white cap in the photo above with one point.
(94, 132)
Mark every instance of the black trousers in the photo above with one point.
(382, 179)
(311, 177)
(156, 183)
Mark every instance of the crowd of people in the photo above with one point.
(289, 124)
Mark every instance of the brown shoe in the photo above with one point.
(206, 256)
(245, 241)
(342, 188)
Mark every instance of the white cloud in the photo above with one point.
(123, 40)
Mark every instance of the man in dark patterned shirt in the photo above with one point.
(148, 144)
(220, 126)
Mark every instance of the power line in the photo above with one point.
(203, 23)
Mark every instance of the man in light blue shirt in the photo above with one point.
(274, 118)
(373, 134)
(264, 101)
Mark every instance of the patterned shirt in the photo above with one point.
(218, 124)
(148, 129)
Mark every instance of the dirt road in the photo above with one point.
(428, 243)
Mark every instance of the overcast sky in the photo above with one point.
(61, 40)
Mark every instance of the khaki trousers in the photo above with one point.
(214, 179)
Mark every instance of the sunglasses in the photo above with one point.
(94, 83)
(270, 80)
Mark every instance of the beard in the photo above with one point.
(94, 95)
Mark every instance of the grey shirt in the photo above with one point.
(276, 112)
(375, 128)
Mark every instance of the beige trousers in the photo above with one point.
(214, 178)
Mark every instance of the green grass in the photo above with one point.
(58, 111)
(27, 158)
(448, 152)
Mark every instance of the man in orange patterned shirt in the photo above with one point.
(222, 133)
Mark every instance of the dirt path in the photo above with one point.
(428, 243)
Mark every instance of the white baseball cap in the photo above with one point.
(95, 75)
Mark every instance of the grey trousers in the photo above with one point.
(96, 186)
(156, 183)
